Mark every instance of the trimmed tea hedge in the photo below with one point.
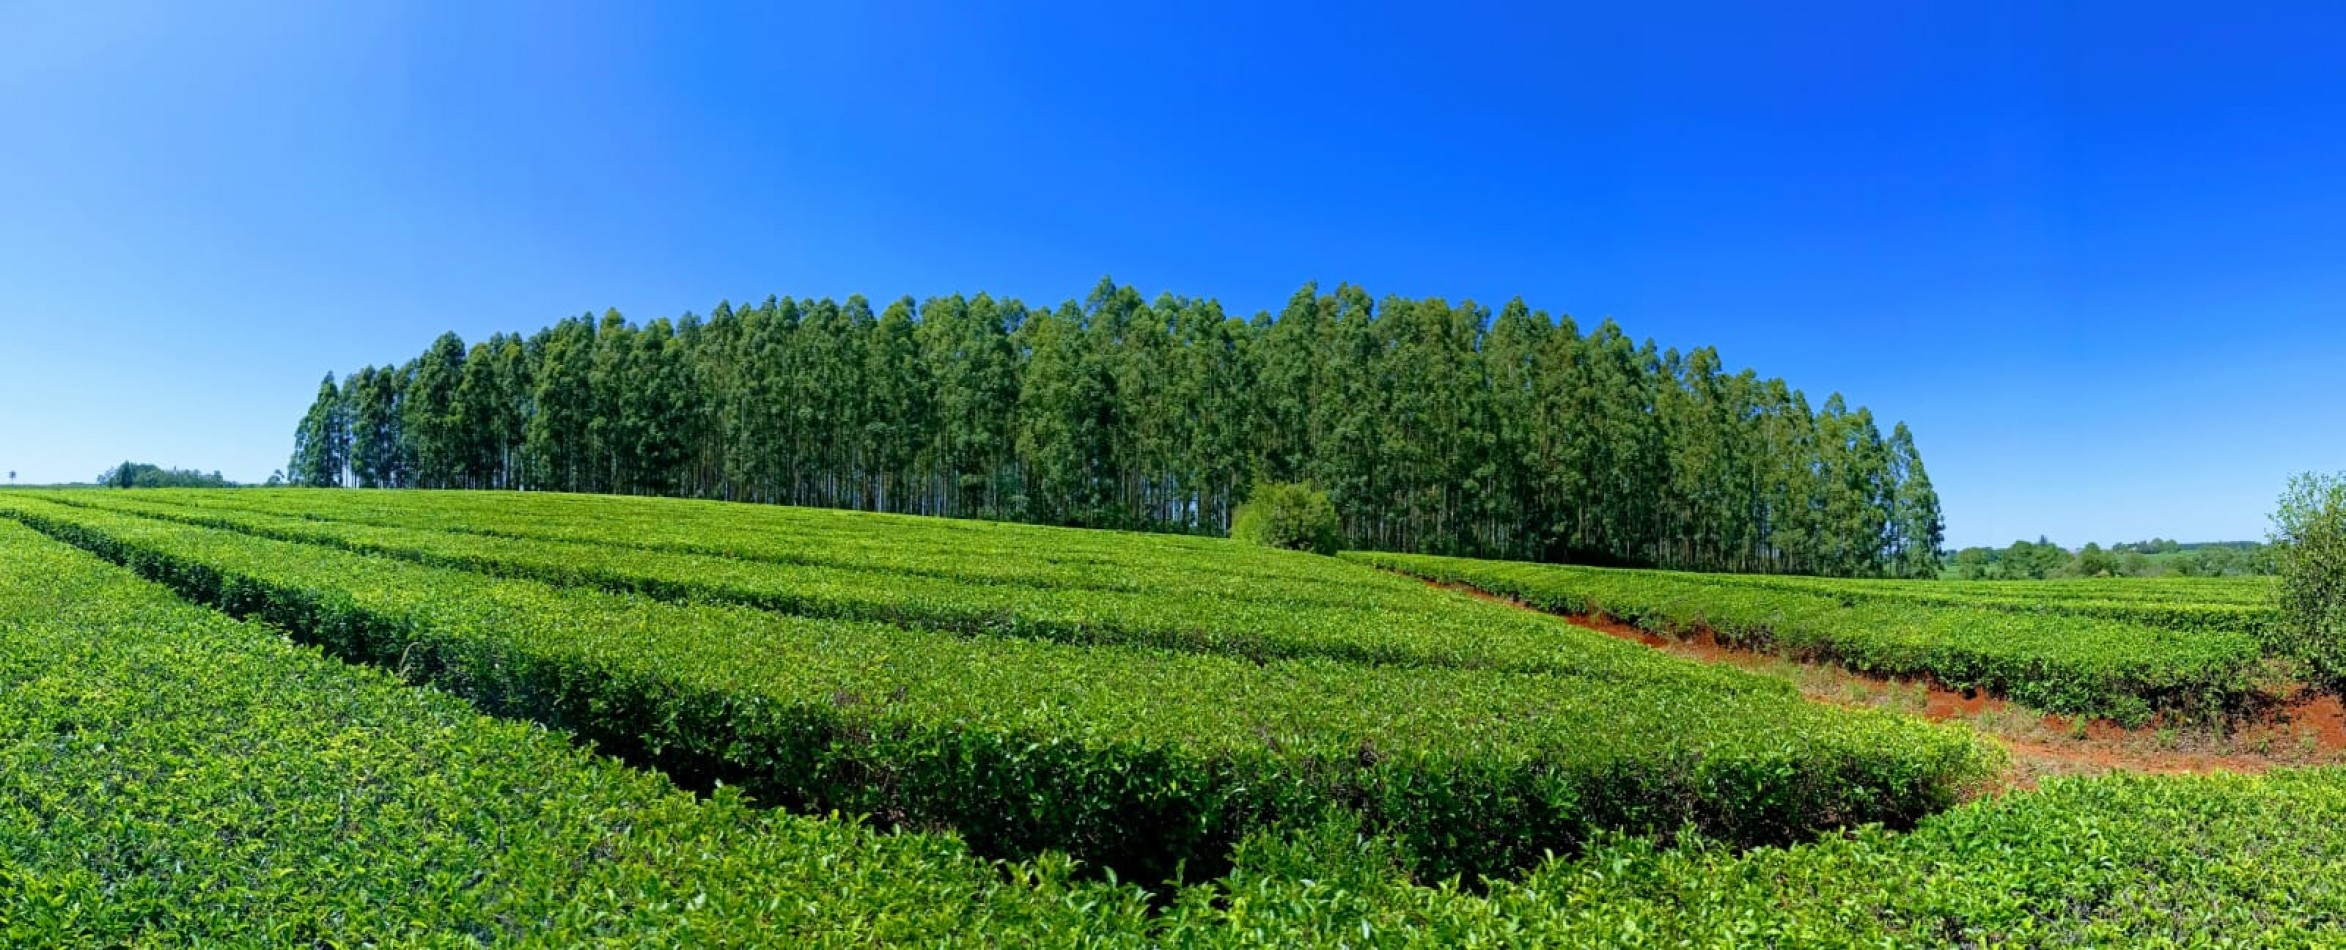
(957, 550)
(2058, 663)
(2121, 861)
(1140, 760)
(1279, 619)
(169, 776)
(2216, 605)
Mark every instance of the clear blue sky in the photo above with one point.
(2094, 253)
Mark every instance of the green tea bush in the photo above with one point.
(2121, 861)
(172, 777)
(2054, 662)
(1289, 515)
(2230, 605)
(1287, 607)
(1141, 760)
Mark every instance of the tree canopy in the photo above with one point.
(1431, 426)
(144, 475)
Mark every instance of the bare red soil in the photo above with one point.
(2309, 731)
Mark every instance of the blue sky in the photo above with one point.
(2090, 252)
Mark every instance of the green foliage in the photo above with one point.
(1138, 759)
(2043, 559)
(2215, 605)
(321, 443)
(1289, 515)
(143, 475)
(2128, 860)
(1431, 426)
(2092, 561)
(2057, 663)
(175, 778)
(2309, 537)
(1189, 595)
(2158, 557)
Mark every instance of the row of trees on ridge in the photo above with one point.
(1431, 426)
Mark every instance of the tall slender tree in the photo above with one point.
(321, 443)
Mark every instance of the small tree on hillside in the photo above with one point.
(2309, 547)
(1289, 515)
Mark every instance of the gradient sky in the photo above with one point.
(2093, 253)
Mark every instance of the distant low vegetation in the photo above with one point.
(2042, 559)
(143, 475)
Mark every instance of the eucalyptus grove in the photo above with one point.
(1432, 427)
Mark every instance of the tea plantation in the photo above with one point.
(446, 718)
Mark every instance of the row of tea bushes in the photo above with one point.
(2216, 605)
(1140, 760)
(2118, 861)
(949, 549)
(1277, 619)
(172, 777)
(2057, 663)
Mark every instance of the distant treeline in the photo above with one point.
(1433, 427)
(2157, 557)
(143, 475)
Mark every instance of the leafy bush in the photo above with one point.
(1289, 515)
(2309, 537)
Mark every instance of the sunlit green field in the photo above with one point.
(320, 716)
(2124, 649)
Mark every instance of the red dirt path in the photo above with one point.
(2309, 731)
